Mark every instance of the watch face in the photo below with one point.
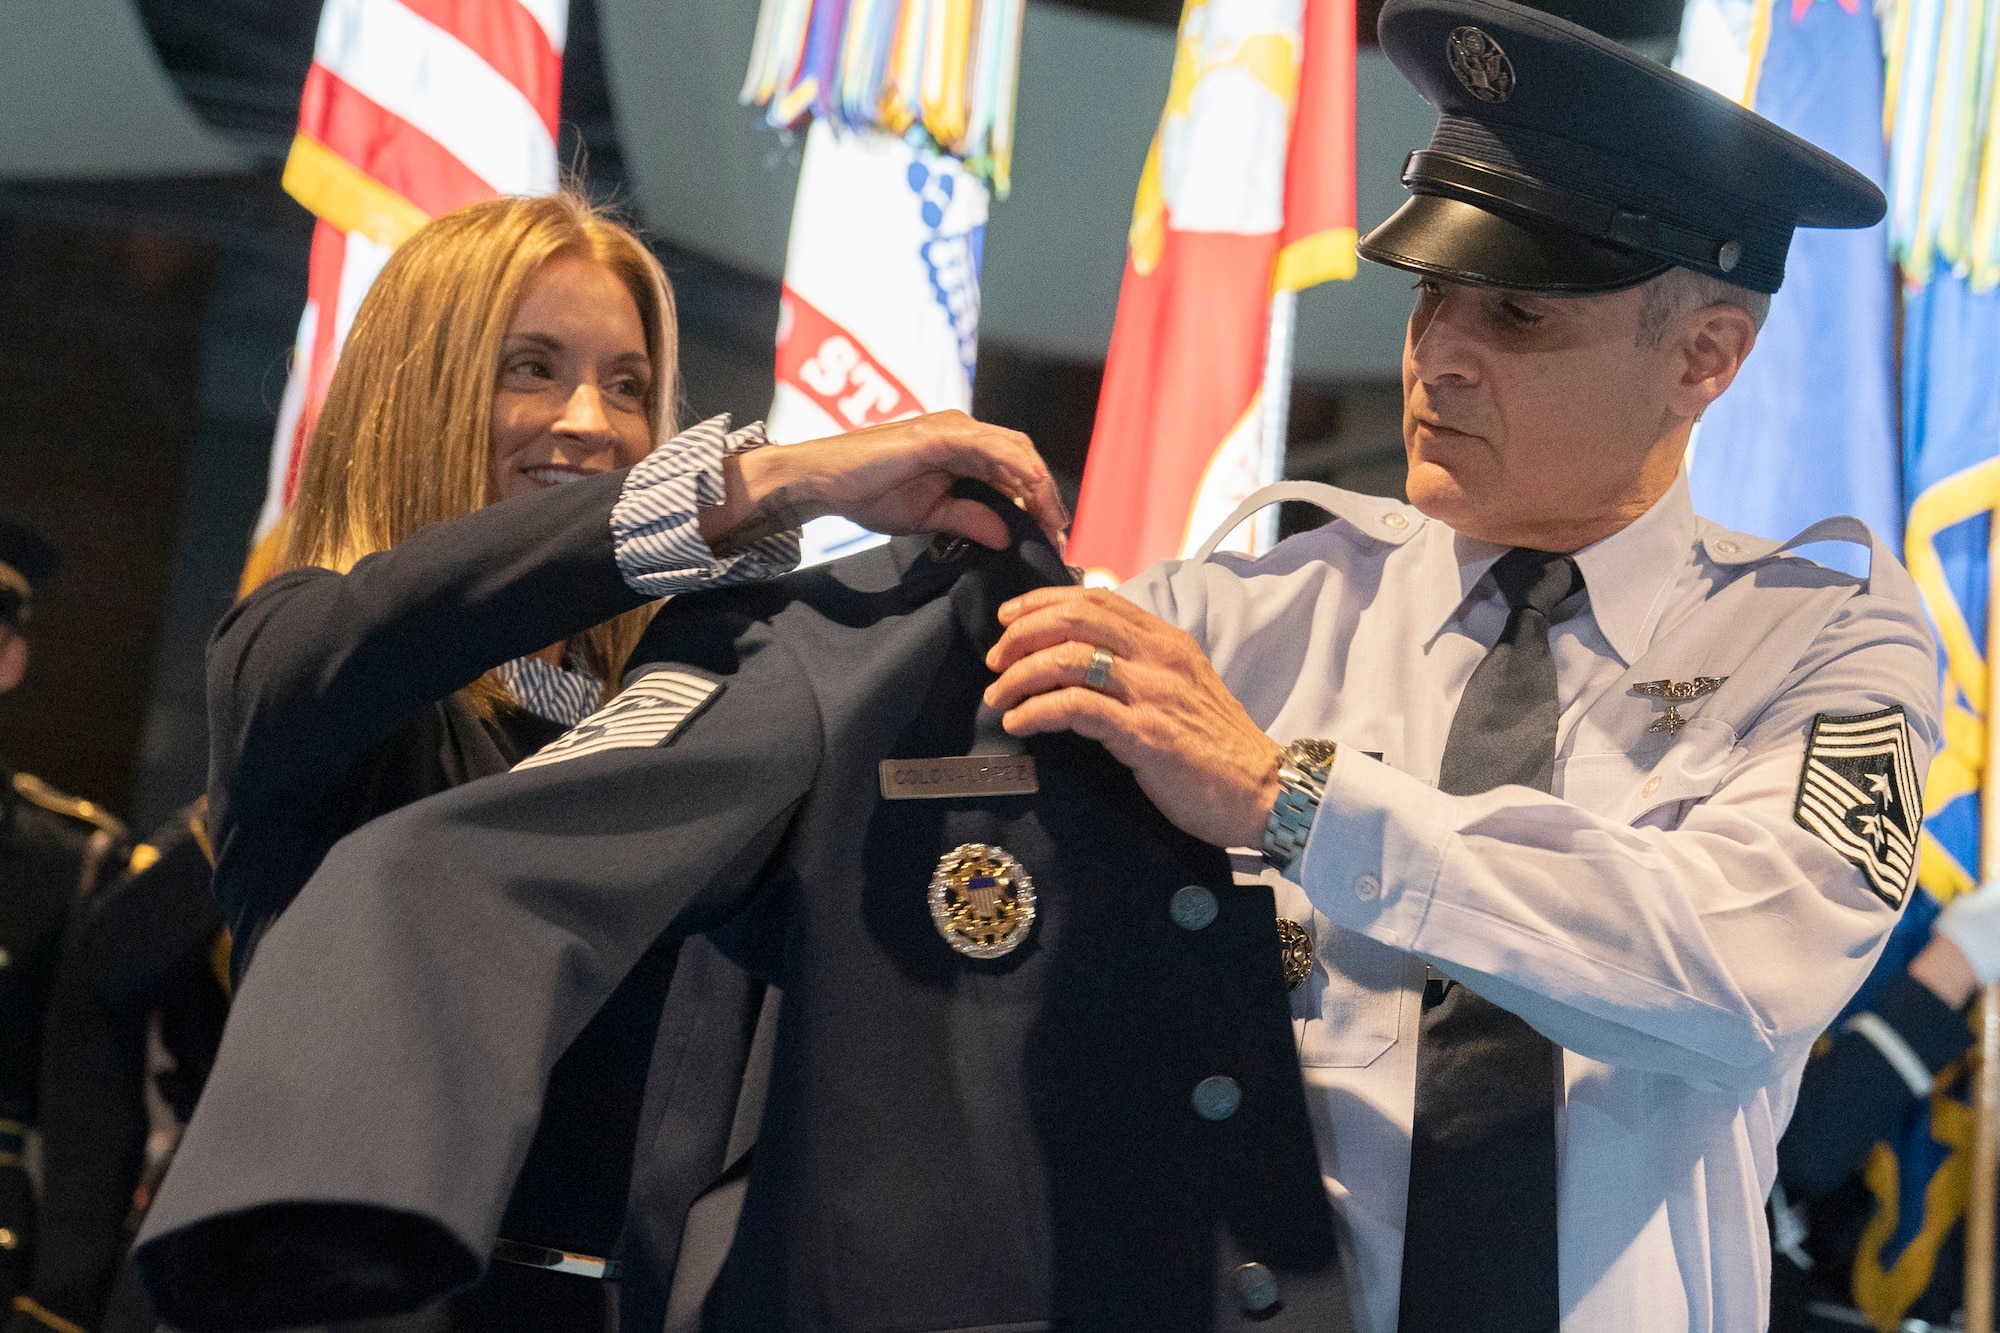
(1313, 753)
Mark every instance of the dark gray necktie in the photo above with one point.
(1479, 1242)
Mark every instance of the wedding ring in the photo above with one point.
(1098, 674)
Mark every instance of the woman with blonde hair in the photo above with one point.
(493, 495)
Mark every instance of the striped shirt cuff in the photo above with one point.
(654, 529)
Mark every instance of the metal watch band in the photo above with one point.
(1302, 770)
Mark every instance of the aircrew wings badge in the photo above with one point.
(649, 711)
(1858, 793)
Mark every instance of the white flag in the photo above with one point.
(880, 313)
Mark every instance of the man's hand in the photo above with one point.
(1165, 714)
(895, 478)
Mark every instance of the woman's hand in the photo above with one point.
(894, 478)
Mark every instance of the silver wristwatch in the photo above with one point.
(1302, 770)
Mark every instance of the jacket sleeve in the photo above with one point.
(384, 1067)
(93, 1104)
(1717, 949)
(128, 948)
(314, 669)
(1856, 1094)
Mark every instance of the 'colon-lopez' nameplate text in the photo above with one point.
(959, 775)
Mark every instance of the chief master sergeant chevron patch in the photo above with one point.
(650, 711)
(1859, 793)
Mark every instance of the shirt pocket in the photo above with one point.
(1348, 1010)
(1621, 787)
(1353, 1000)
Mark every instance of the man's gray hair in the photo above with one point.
(1681, 290)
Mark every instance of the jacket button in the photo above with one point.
(1652, 786)
(1217, 1097)
(1192, 907)
(1256, 1288)
(1727, 547)
(1367, 888)
(1395, 521)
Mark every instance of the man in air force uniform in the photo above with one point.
(51, 847)
(1594, 814)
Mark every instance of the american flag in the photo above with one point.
(412, 108)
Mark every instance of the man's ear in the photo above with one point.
(13, 658)
(1713, 344)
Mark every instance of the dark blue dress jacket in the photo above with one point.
(948, 1144)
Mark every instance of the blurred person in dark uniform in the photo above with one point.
(494, 496)
(1870, 1205)
(139, 986)
(51, 847)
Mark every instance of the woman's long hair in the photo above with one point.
(406, 434)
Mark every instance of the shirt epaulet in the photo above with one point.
(1722, 546)
(1390, 521)
(1886, 577)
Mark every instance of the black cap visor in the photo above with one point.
(1447, 238)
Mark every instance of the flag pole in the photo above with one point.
(1277, 414)
(1980, 1206)
(1986, 1138)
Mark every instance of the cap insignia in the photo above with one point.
(982, 901)
(1480, 64)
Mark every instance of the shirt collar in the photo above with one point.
(556, 693)
(1628, 573)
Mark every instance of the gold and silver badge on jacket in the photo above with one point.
(982, 901)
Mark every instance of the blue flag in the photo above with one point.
(1809, 427)
(1951, 428)
(1951, 388)
(1944, 219)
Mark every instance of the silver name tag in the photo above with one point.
(959, 775)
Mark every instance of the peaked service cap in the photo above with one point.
(1564, 163)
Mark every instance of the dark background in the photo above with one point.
(144, 330)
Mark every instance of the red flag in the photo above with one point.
(1319, 170)
(1234, 204)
